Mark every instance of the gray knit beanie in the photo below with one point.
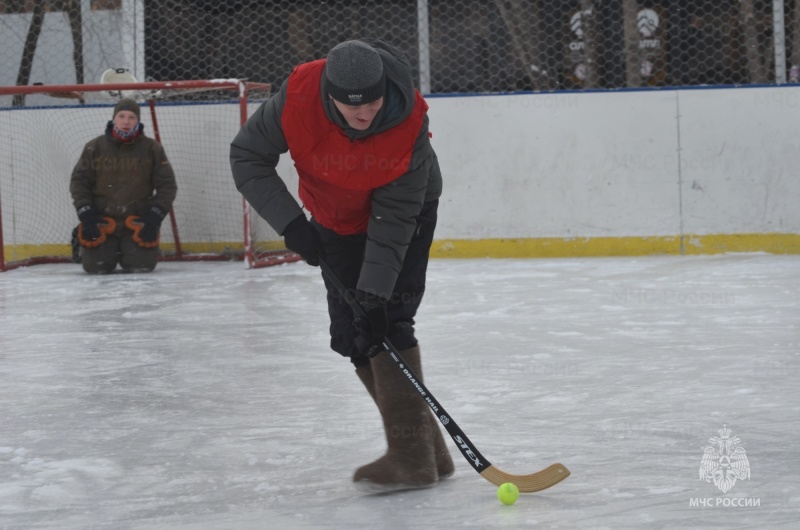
(355, 73)
(127, 104)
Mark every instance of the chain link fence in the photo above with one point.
(455, 46)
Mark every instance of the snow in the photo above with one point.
(205, 396)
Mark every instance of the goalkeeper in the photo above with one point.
(122, 188)
(357, 132)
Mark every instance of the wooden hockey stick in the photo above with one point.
(547, 477)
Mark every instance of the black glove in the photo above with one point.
(299, 236)
(90, 218)
(374, 326)
(151, 221)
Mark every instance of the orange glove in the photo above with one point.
(106, 226)
(135, 224)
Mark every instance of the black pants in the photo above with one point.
(119, 248)
(345, 255)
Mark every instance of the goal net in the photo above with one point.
(44, 129)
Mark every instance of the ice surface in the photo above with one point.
(204, 395)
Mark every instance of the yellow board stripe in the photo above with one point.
(552, 247)
(615, 246)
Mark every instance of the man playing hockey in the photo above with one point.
(357, 132)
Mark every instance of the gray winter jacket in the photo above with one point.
(256, 149)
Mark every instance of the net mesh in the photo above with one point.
(453, 46)
(195, 126)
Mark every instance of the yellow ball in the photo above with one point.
(508, 493)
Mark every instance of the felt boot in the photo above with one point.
(410, 445)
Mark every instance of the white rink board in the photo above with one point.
(557, 165)
(740, 160)
(617, 164)
(571, 165)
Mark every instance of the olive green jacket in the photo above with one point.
(122, 179)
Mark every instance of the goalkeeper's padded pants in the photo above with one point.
(119, 250)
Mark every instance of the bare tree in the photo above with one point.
(755, 62)
(795, 43)
(29, 50)
(633, 73)
(588, 23)
(73, 9)
(300, 34)
(521, 21)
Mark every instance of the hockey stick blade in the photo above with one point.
(541, 480)
(547, 477)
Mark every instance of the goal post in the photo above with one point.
(194, 120)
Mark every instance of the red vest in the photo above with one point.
(337, 175)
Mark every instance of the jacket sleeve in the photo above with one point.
(395, 208)
(163, 179)
(83, 177)
(254, 155)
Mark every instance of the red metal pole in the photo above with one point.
(157, 134)
(249, 256)
(2, 250)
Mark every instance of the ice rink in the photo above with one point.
(204, 395)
